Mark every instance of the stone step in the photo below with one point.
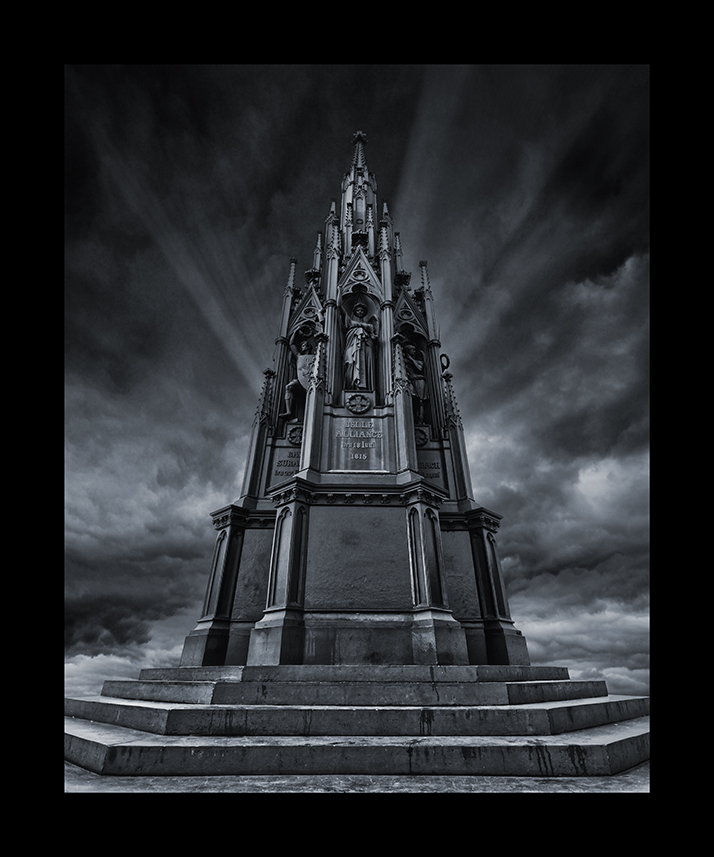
(161, 691)
(522, 719)
(348, 692)
(115, 750)
(357, 673)
(546, 691)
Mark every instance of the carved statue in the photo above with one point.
(414, 364)
(304, 359)
(359, 350)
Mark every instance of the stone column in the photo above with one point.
(332, 311)
(403, 414)
(314, 408)
(437, 638)
(432, 360)
(206, 645)
(278, 638)
(333, 359)
(504, 643)
(386, 327)
(386, 333)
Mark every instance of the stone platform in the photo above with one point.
(356, 720)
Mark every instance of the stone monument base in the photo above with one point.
(382, 719)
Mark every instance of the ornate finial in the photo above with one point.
(359, 137)
(453, 417)
(317, 373)
(290, 285)
(262, 412)
(384, 250)
(400, 378)
(425, 279)
(398, 250)
(317, 253)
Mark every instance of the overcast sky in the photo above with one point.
(526, 188)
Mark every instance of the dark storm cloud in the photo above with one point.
(112, 608)
(187, 190)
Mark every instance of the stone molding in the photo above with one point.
(487, 520)
(230, 515)
(248, 519)
(299, 494)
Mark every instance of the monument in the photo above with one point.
(356, 538)
(356, 568)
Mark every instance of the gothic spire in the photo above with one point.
(358, 160)
(398, 250)
(317, 254)
(425, 279)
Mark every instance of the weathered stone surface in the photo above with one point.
(350, 719)
(114, 750)
(633, 780)
(194, 719)
(358, 673)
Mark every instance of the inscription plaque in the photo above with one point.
(286, 462)
(430, 466)
(358, 444)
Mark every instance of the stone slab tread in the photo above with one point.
(599, 751)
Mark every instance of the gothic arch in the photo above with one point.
(298, 557)
(280, 554)
(416, 556)
(497, 576)
(434, 558)
(219, 555)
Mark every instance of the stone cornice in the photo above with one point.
(228, 515)
(299, 494)
(240, 516)
(483, 518)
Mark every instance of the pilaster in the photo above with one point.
(504, 644)
(314, 405)
(432, 357)
(332, 258)
(437, 638)
(386, 328)
(386, 334)
(403, 413)
(206, 645)
(278, 638)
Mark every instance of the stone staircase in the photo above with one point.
(396, 720)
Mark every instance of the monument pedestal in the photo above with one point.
(377, 720)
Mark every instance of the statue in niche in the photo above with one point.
(304, 359)
(414, 364)
(360, 341)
